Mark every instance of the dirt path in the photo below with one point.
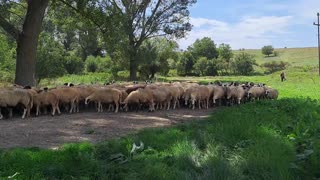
(50, 132)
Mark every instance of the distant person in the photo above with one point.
(283, 76)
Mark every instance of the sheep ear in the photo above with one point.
(66, 84)
(27, 87)
(71, 85)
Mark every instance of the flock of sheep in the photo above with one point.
(128, 96)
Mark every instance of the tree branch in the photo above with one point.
(9, 28)
(84, 15)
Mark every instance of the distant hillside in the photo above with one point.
(295, 56)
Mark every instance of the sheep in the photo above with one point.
(15, 96)
(235, 92)
(202, 93)
(162, 96)
(272, 94)
(219, 93)
(67, 95)
(256, 92)
(140, 96)
(106, 95)
(45, 98)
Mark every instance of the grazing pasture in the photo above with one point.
(275, 139)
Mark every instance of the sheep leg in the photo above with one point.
(53, 109)
(24, 113)
(38, 110)
(169, 104)
(71, 106)
(1, 116)
(199, 104)
(117, 107)
(239, 100)
(10, 112)
(207, 103)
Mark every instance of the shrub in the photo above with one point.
(98, 64)
(243, 64)
(274, 66)
(73, 64)
(91, 64)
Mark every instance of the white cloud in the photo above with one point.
(249, 32)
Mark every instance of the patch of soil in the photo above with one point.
(51, 132)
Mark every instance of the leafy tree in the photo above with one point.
(243, 64)
(225, 57)
(50, 58)
(185, 64)
(201, 65)
(142, 20)
(7, 61)
(154, 55)
(267, 50)
(26, 37)
(204, 47)
(212, 68)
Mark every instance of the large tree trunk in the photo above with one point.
(27, 42)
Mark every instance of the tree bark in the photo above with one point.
(27, 43)
(133, 68)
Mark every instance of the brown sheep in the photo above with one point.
(67, 95)
(236, 93)
(219, 93)
(272, 94)
(106, 95)
(46, 98)
(202, 93)
(256, 92)
(11, 98)
(138, 97)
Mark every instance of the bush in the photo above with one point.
(243, 64)
(274, 66)
(98, 64)
(73, 64)
(91, 65)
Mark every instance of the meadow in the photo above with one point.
(277, 139)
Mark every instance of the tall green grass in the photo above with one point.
(262, 140)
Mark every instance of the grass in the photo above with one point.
(261, 140)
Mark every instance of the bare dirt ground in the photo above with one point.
(51, 132)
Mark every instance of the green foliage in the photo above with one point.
(73, 64)
(267, 50)
(274, 66)
(98, 64)
(261, 140)
(7, 61)
(50, 58)
(205, 67)
(225, 52)
(201, 65)
(243, 64)
(204, 47)
(185, 64)
(91, 64)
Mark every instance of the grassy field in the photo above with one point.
(261, 140)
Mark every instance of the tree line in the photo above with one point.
(51, 38)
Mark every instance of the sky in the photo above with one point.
(252, 24)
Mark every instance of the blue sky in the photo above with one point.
(252, 24)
